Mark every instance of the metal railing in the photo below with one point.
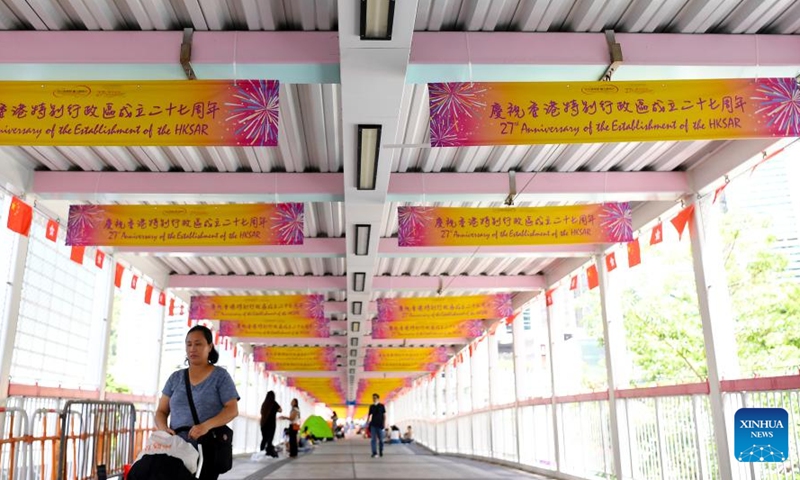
(666, 433)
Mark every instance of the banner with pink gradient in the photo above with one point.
(463, 226)
(515, 113)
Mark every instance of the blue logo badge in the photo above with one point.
(761, 435)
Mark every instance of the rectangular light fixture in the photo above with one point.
(355, 326)
(357, 306)
(377, 17)
(358, 281)
(352, 362)
(353, 352)
(352, 371)
(369, 141)
(362, 239)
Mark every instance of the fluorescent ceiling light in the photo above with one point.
(353, 352)
(352, 362)
(369, 140)
(355, 326)
(358, 281)
(377, 17)
(357, 306)
(362, 239)
(354, 342)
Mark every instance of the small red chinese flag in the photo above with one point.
(548, 297)
(189, 322)
(20, 216)
(634, 253)
(470, 350)
(592, 277)
(118, 276)
(611, 262)
(657, 235)
(510, 320)
(134, 281)
(148, 294)
(52, 230)
(99, 258)
(235, 350)
(76, 254)
(171, 307)
(162, 299)
(181, 309)
(573, 282)
(682, 219)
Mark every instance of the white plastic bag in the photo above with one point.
(162, 443)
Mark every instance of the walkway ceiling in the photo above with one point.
(331, 81)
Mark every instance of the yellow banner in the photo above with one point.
(257, 307)
(462, 226)
(181, 113)
(276, 329)
(516, 113)
(449, 309)
(428, 329)
(186, 225)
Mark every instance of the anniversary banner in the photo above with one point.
(427, 329)
(201, 113)
(463, 226)
(258, 307)
(516, 113)
(404, 359)
(324, 390)
(450, 309)
(276, 329)
(296, 358)
(186, 225)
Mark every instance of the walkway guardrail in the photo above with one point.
(665, 432)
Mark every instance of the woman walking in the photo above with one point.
(269, 412)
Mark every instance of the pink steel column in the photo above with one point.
(715, 313)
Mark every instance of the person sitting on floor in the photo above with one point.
(394, 435)
(408, 437)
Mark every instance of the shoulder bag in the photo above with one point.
(219, 440)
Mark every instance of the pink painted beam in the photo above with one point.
(389, 247)
(330, 283)
(66, 47)
(544, 186)
(312, 247)
(329, 187)
(341, 307)
(187, 187)
(555, 48)
(499, 283)
(251, 282)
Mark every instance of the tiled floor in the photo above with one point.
(351, 459)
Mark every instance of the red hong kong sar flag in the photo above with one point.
(134, 281)
(611, 262)
(162, 299)
(573, 282)
(657, 236)
(548, 297)
(52, 230)
(148, 294)
(171, 307)
(99, 258)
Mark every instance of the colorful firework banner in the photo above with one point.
(186, 225)
(404, 359)
(472, 114)
(155, 113)
(258, 307)
(276, 329)
(456, 226)
(324, 390)
(296, 358)
(385, 387)
(449, 309)
(416, 329)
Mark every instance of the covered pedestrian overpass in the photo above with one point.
(545, 379)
